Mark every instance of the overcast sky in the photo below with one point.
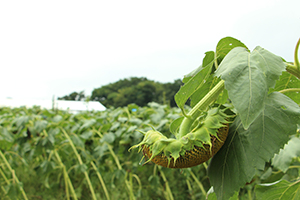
(56, 47)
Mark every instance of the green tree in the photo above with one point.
(145, 93)
(140, 91)
(74, 96)
(170, 89)
(115, 94)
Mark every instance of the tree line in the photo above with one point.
(136, 90)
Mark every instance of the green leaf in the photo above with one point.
(45, 143)
(57, 118)
(87, 124)
(280, 190)
(47, 166)
(115, 126)
(132, 128)
(86, 135)
(39, 126)
(201, 92)
(174, 126)
(209, 56)
(196, 82)
(291, 150)
(244, 150)
(5, 137)
(136, 121)
(109, 138)
(21, 121)
(190, 75)
(162, 123)
(225, 45)
(286, 82)
(80, 168)
(77, 141)
(248, 77)
(100, 150)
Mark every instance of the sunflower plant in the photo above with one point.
(244, 109)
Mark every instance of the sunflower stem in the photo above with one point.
(210, 97)
(296, 60)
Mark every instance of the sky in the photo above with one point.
(53, 48)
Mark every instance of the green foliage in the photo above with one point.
(248, 77)
(247, 150)
(284, 158)
(285, 84)
(196, 82)
(225, 45)
(278, 191)
(253, 86)
(41, 155)
(140, 91)
(74, 96)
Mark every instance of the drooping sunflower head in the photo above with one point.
(194, 148)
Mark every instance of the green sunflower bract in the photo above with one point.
(194, 148)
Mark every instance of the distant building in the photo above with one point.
(71, 106)
(77, 106)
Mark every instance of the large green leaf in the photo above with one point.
(39, 126)
(280, 190)
(291, 150)
(199, 82)
(248, 77)
(196, 81)
(202, 91)
(244, 150)
(225, 45)
(286, 82)
(21, 121)
(190, 75)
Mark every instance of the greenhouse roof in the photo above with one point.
(72, 106)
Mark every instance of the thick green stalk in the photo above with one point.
(190, 189)
(129, 185)
(81, 163)
(66, 177)
(5, 179)
(292, 69)
(15, 178)
(210, 97)
(101, 180)
(290, 90)
(169, 195)
(296, 60)
(249, 194)
(114, 156)
(198, 183)
(138, 180)
(131, 195)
